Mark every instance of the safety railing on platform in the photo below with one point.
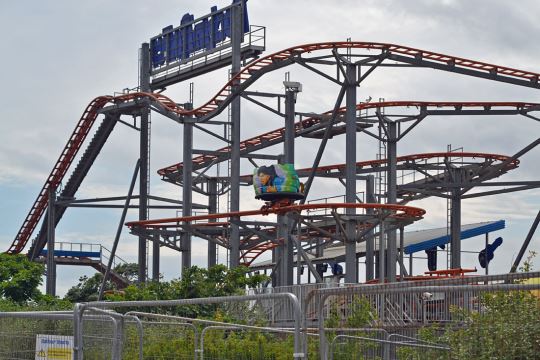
(334, 199)
(106, 255)
(255, 38)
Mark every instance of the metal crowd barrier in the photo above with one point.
(81, 308)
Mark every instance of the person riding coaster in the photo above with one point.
(277, 184)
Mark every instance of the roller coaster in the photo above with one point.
(303, 228)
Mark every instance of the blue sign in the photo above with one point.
(176, 44)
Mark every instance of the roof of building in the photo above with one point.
(413, 241)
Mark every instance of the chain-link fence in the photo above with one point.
(454, 318)
(483, 317)
(49, 335)
(167, 343)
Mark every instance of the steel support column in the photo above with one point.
(485, 253)
(351, 264)
(319, 252)
(212, 209)
(525, 244)
(155, 258)
(455, 230)
(112, 255)
(370, 236)
(402, 268)
(380, 266)
(187, 181)
(286, 251)
(144, 75)
(51, 264)
(236, 41)
(391, 243)
(284, 271)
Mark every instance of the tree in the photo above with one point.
(88, 287)
(129, 271)
(196, 282)
(19, 278)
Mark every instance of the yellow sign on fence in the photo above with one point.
(54, 347)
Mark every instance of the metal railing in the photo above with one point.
(50, 334)
(413, 300)
(80, 310)
(351, 321)
(256, 37)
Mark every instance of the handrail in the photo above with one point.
(399, 211)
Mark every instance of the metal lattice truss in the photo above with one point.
(422, 175)
(317, 220)
(432, 174)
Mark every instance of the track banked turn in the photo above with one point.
(402, 162)
(243, 79)
(397, 212)
(255, 247)
(173, 173)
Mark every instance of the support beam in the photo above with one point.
(391, 248)
(351, 264)
(381, 255)
(403, 269)
(144, 75)
(156, 250)
(370, 238)
(319, 252)
(286, 251)
(119, 231)
(236, 40)
(526, 243)
(187, 182)
(285, 270)
(486, 243)
(51, 264)
(312, 269)
(455, 230)
(212, 209)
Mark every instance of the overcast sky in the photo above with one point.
(59, 55)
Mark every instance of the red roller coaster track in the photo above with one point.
(251, 71)
(403, 159)
(65, 160)
(275, 135)
(257, 66)
(252, 253)
(399, 211)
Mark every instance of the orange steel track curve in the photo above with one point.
(308, 122)
(256, 67)
(406, 158)
(91, 112)
(400, 211)
(66, 158)
(250, 254)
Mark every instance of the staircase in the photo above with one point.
(94, 255)
(58, 172)
(96, 144)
